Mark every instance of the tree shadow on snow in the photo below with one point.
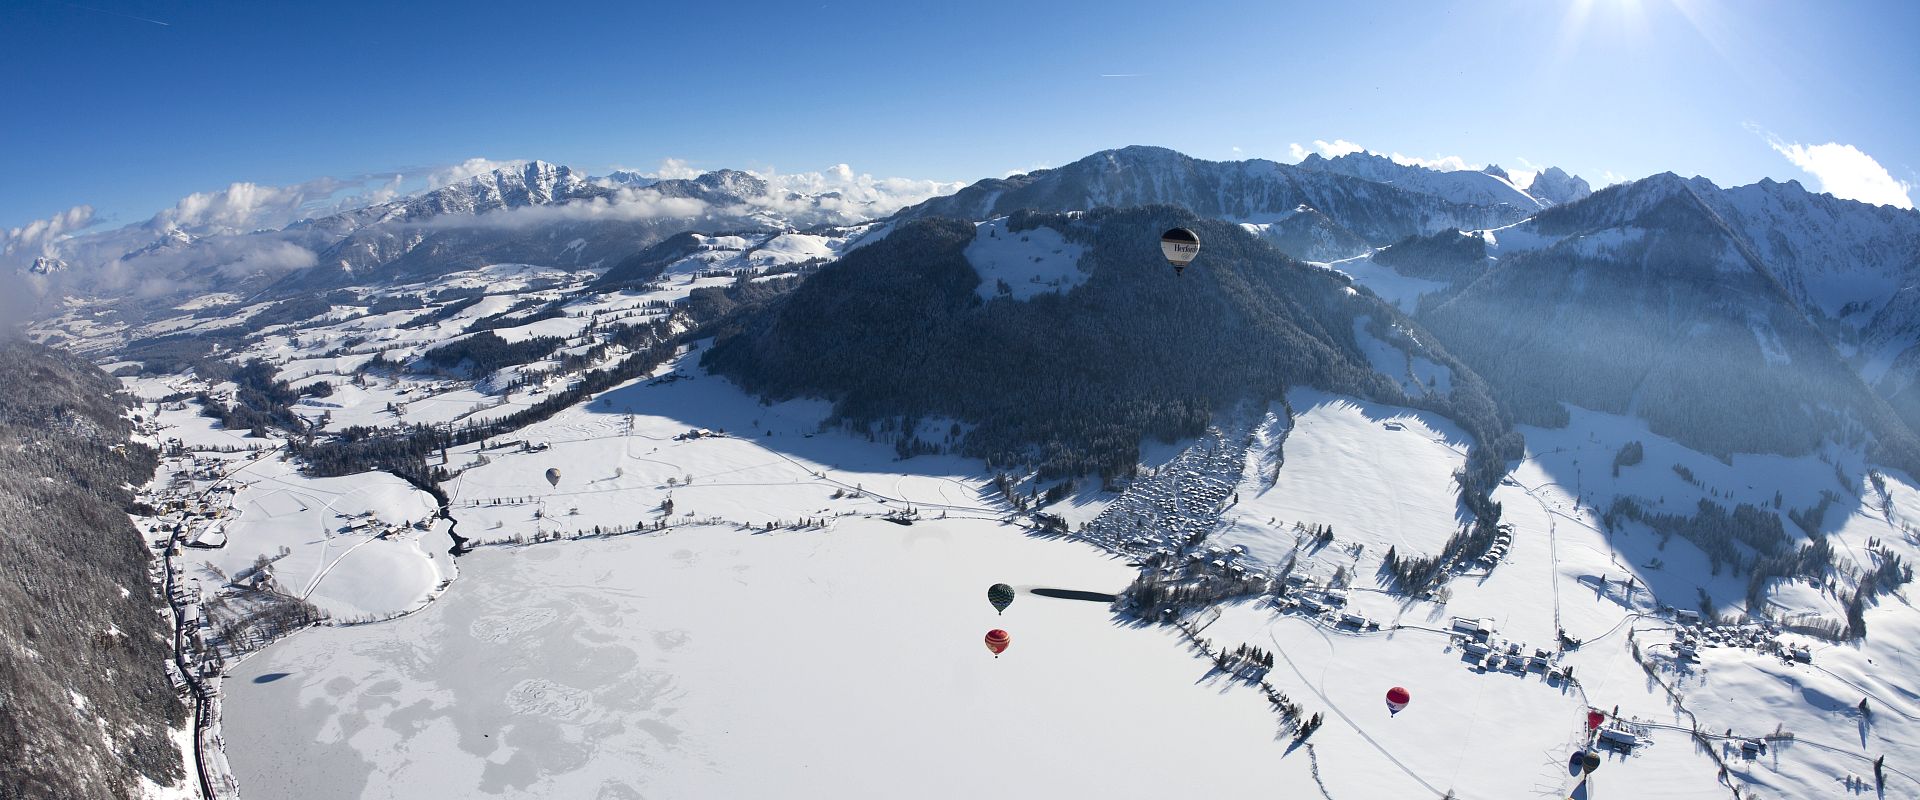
(794, 428)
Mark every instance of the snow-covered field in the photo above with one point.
(715, 605)
(1380, 475)
(359, 547)
(836, 653)
(711, 662)
(1402, 291)
(1030, 262)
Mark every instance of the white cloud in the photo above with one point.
(219, 234)
(674, 169)
(1333, 149)
(623, 205)
(1846, 172)
(857, 196)
(38, 238)
(1341, 147)
(245, 206)
(467, 169)
(385, 192)
(1441, 163)
(837, 194)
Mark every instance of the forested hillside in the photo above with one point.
(1254, 190)
(1072, 382)
(1658, 310)
(84, 700)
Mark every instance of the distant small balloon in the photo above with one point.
(553, 476)
(1180, 246)
(1397, 699)
(997, 641)
(1001, 596)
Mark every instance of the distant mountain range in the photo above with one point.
(534, 213)
(1756, 318)
(1812, 299)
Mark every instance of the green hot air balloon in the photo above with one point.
(1001, 596)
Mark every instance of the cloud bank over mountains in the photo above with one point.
(1846, 172)
(262, 231)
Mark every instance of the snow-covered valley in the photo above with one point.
(591, 566)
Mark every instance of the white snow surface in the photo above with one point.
(710, 662)
(1402, 291)
(770, 629)
(1345, 465)
(1417, 375)
(1031, 262)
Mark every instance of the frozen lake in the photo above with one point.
(710, 662)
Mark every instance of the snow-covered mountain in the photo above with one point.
(1556, 449)
(1468, 187)
(535, 212)
(1744, 319)
(1255, 191)
(1554, 185)
(1310, 235)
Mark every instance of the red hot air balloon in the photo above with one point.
(997, 641)
(1397, 699)
(1594, 718)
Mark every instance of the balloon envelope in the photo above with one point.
(1000, 595)
(1180, 246)
(1398, 698)
(997, 641)
(553, 476)
(1594, 718)
(1590, 761)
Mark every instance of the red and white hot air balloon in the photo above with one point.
(1397, 699)
(997, 641)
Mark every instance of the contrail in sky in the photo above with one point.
(118, 14)
(1125, 75)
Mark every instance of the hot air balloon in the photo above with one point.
(1397, 699)
(1589, 761)
(553, 476)
(1594, 718)
(1001, 596)
(997, 641)
(1180, 247)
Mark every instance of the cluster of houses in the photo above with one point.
(366, 522)
(1502, 542)
(1169, 506)
(1483, 647)
(1695, 635)
(1327, 603)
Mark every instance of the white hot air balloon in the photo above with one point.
(1180, 247)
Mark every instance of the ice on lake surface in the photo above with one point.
(711, 662)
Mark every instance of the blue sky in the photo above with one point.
(114, 110)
